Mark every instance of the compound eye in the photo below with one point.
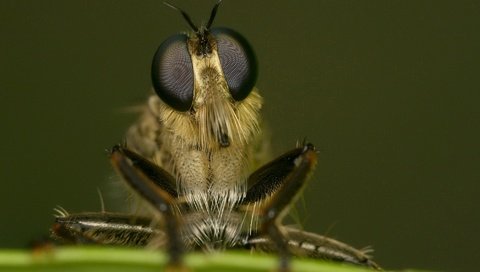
(172, 73)
(238, 62)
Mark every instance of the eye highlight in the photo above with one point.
(238, 61)
(172, 73)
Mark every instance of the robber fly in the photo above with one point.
(192, 157)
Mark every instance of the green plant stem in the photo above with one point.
(83, 258)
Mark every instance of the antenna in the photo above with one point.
(184, 14)
(214, 12)
(189, 20)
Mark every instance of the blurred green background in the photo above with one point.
(387, 90)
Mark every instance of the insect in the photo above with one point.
(193, 158)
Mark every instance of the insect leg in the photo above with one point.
(137, 175)
(268, 179)
(282, 181)
(103, 228)
(156, 174)
(302, 243)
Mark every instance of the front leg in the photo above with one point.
(276, 186)
(153, 184)
(279, 183)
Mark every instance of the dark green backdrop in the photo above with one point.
(387, 90)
